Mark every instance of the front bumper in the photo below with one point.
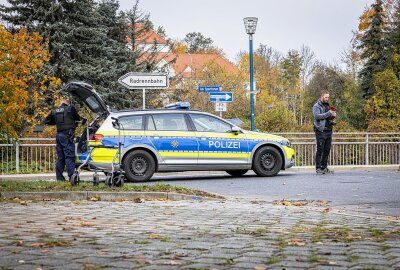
(289, 157)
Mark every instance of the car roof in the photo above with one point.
(149, 111)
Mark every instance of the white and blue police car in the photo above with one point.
(171, 139)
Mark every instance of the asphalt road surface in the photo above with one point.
(372, 191)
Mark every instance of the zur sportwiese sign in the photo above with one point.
(134, 80)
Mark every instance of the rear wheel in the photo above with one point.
(237, 173)
(139, 166)
(267, 161)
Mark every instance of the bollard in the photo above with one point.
(366, 149)
(17, 156)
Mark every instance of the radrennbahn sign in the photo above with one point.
(134, 80)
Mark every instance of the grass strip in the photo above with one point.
(46, 186)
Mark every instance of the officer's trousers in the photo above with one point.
(65, 153)
(324, 142)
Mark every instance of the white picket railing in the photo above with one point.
(34, 155)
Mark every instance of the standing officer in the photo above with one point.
(323, 126)
(64, 117)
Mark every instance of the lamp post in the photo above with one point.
(250, 23)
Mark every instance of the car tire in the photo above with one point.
(237, 173)
(139, 166)
(267, 161)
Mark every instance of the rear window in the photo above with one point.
(132, 122)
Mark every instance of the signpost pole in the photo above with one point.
(144, 98)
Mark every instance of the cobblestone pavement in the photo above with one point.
(232, 234)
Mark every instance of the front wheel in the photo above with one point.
(267, 161)
(237, 173)
(139, 166)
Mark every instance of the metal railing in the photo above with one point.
(38, 155)
(349, 148)
(28, 155)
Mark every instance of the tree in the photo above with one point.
(308, 64)
(88, 42)
(273, 115)
(196, 42)
(290, 81)
(373, 46)
(23, 81)
(383, 108)
(394, 33)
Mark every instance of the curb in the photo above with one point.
(103, 196)
(51, 176)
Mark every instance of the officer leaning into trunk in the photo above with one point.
(65, 117)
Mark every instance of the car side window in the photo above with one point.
(132, 122)
(170, 122)
(150, 123)
(209, 123)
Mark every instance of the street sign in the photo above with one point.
(220, 106)
(221, 96)
(208, 89)
(133, 80)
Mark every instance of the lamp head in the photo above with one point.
(250, 23)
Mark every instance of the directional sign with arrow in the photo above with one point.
(221, 96)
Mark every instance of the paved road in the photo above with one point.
(234, 234)
(374, 191)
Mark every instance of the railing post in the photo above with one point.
(17, 156)
(366, 149)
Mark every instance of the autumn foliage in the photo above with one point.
(24, 85)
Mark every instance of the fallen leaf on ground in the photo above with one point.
(89, 266)
(20, 243)
(154, 236)
(297, 242)
(39, 245)
(86, 224)
(260, 268)
(141, 259)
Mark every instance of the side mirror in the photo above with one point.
(235, 130)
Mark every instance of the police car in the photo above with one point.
(171, 140)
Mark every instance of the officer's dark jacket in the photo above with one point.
(320, 115)
(64, 117)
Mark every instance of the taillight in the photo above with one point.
(96, 137)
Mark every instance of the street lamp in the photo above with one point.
(250, 23)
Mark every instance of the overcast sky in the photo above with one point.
(324, 25)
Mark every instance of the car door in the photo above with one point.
(217, 143)
(172, 138)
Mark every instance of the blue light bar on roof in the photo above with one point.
(178, 105)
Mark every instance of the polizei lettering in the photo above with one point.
(223, 145)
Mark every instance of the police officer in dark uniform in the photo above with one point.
(64, 117)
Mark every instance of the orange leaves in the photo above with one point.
(22, 56)
(365, 19)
